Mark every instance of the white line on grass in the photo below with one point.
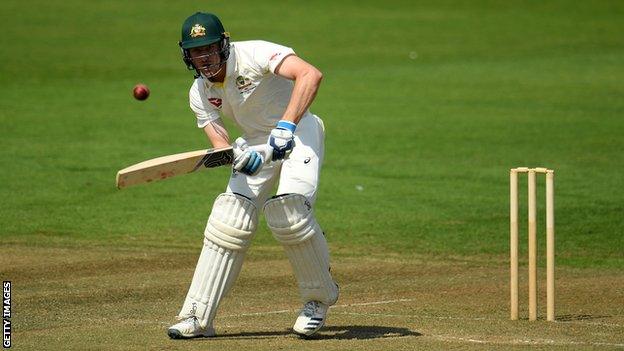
(372, 303)
(414, 316)
(423, 316)
(446, 337)
(613, 325)
(332, 307)
(523, 342)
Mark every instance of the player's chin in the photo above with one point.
(208, 73)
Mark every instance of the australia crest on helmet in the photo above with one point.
(197, 30)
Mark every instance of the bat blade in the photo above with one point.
(173, 165)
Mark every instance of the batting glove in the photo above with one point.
(247, 160)
(282, 139)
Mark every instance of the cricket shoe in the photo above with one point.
(190, 328)
(311, 318)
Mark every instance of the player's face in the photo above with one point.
(207, 59)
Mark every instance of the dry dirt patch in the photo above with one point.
(68, 298)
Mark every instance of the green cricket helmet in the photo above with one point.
(202, 29)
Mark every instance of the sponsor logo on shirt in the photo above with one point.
(216, 102)
(245, 85)
(242, 82)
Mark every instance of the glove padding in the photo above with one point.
(248, 162)
(250, 159)
(282, 140)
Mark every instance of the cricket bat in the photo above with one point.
(173, 165)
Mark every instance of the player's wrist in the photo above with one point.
(281, 139)
(288, 125)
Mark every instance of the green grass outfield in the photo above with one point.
(426, 104)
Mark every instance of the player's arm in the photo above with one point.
(307, 81)
(208, 117)
(217, 134)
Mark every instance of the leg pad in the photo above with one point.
(228, 233)
(291, 219)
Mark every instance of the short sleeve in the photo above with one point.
(204, 112)
(269, 55)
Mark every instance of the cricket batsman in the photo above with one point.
(266, 89)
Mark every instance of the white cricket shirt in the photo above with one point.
(252, 94)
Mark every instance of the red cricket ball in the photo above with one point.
(140, 92)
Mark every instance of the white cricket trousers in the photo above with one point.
(298, 174)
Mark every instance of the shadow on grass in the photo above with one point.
(350, 332)
(578, 317)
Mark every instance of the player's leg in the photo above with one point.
(300, 172)
(233, 219)
(290, 217)
(229, 231)
(292, 222)
(256, 188)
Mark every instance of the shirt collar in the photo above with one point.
(231, 63)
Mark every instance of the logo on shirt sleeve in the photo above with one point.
(216, 102)
(275, 56)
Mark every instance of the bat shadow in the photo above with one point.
(350, 332)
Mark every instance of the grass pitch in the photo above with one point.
(124, 300)
(427, 105)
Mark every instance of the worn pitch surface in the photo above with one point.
(126, 300)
